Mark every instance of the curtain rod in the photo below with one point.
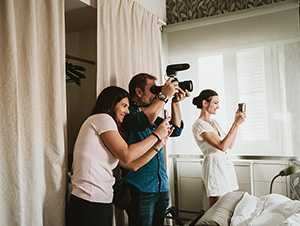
(80, 59)
(163, 23)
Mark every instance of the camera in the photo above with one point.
(242, 107)
(171, 71)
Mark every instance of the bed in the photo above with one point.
(240, 208)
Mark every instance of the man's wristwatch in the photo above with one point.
(163, 97)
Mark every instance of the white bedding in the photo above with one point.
(273, 210)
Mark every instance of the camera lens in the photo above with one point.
(155, 89)
(186, 85)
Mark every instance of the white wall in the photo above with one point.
(234, 34)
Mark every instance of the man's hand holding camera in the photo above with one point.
(180, 95)
(170, 88)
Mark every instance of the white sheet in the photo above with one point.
(273, 210)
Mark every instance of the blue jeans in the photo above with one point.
(147, 209)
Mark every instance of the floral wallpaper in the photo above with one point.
(183, 10)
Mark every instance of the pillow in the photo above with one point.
(221, 212)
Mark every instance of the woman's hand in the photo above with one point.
(163, 129)
(165, 139)
(240, 117)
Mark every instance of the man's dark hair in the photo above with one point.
(139, 81)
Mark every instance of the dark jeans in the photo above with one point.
(80, 212)
(147, 209)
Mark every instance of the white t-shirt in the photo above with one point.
(92, 177)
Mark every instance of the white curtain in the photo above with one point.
(33, 113)
(129, 42)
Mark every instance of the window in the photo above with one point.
(252, 91)
(257, 76)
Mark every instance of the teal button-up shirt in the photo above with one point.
(152, 177)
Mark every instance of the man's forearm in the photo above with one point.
(154, 110)
(176, 114)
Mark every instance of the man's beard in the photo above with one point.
(144, 104)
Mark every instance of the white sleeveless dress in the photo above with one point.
(218, 171)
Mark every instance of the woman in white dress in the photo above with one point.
(218, 170)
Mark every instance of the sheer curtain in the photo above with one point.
(250, 57)
(33, 114)
(129, 42)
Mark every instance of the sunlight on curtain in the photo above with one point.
(33, 116)
(129, 42)
(260, 58)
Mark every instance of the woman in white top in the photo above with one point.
(97, 151)
(218, 170)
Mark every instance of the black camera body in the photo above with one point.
(171, 71)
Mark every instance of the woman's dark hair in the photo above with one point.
(206, 94)
(139, 81)
(108, 99)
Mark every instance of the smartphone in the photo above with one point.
(242, 107)
(166, 115)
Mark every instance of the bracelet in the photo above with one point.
(158, 139)
(155, 148)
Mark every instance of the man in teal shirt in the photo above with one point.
(149, 184)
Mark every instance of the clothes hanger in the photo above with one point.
(71, 70)
(73, 78)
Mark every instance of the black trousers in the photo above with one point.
(80, 212)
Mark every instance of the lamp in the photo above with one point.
(285, 172)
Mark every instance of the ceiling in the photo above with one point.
(79, 16)
(73, 4)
